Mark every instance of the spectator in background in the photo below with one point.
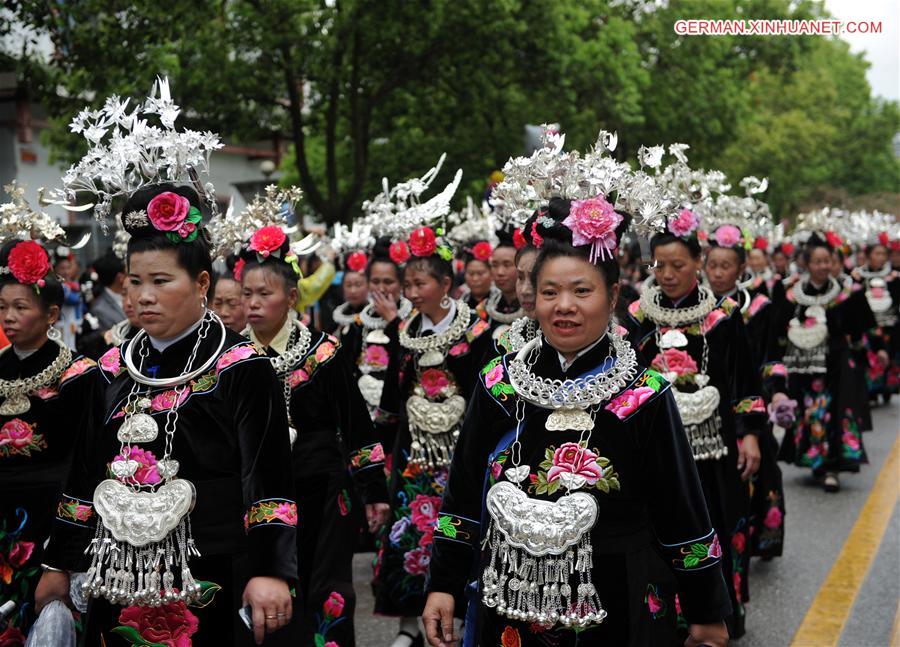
(67, 268)
(107, 305)
(226, 298)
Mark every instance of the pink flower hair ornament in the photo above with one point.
(728, 236)
(594, 222)
(684, 224)
(174, 215)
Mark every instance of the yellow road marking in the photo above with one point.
(827, 615)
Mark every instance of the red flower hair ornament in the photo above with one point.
(518, 239)
(423, 242)
(482, 251)
(357, 262)
(399, 252)
(28, 263)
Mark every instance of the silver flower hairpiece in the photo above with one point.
(397, 212)
(230, 232)
(126, 152)
(472, 223)
(530, 182)
(19, 221)
(748, 213)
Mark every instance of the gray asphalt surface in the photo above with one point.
(781, 590)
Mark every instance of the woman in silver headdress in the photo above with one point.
(590, 517)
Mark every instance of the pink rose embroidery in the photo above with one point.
(713, 318)
(427, 537)
(629, 401)
(334, 605)
(715, 550)
(286, 512)
(82, 512)
(496, 470)
(434, 381)
(684, 223)
(415, 562)
(46, 392)
(493, 376)
(166, 400)
(850, 440)
(167, 211)
(424, 511)
(572, 458)
(459, 349)
(773, 518)
(653, 603)
(677, 361)
(298, 377)
(324, 351)
(376, 356)
(377, 454)
(20, 553)
(236, 354)
(111, 361)
(146, 473)
(479, 327)
(16, 433)
(171, 624)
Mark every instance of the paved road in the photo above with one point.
(783, 589)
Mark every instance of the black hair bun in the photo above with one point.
(382, 249)
(505, 237)
(815, 240)
(141, 198)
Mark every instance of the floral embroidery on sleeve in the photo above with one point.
(369, 456)
(648, 385)
(775, 369)
(111, 361)
(271, 512)
(454, 528)
(757, 304)
(17, 438)
(654, 602)
(236, 354)
(75, 511)
(77, 368)
(459, 349)
(317, 357)
(477, 329)
(749, 405)
(694, 554)
(493, 375)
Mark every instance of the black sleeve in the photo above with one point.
(680, 518)
(267, 480)
(747, 399)
(387, 415)
(76, 521)
(366, 454)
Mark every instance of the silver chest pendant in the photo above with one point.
(15, 405)
(143, 543)
(541, 558)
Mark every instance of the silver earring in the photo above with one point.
(445, 302)
(204, 303)
(54, 334)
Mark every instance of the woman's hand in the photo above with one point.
(270, 599)
(377, 515)
(384, 306)
(713, 635)
(884, 360)
(748, 456)
(53, 585)
(438, 620)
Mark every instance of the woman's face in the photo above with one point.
(676, 270)
(228, 304)
(819, 265)
(723, 269)
(24, 321)
(267, 300)
(165, 297)
(524, 288)
(356, 291)
(837, 265)
(384, 278)
(877, 257)
(503, 269)
(757, 260)
(425, 291)
(573, 305)
(478, 278)
(780, 262)
(128, 307)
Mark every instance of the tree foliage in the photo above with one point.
(364, 89)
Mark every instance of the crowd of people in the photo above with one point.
(556, 419)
